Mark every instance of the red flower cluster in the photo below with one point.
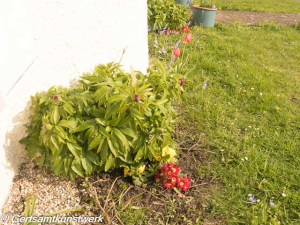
(167, 175)
(185, 28)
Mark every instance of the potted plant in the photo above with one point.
(183, 2)
(204, 16)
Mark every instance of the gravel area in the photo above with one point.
(256, 17)
(52, 193)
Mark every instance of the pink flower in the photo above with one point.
(176, 52)
(55, 97)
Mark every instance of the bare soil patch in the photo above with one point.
(55, 194)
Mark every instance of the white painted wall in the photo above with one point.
(52, 42)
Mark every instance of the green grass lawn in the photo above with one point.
(248, 115)
(287, 6)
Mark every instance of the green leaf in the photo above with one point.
(121, 136)
(101, 143)
(111, 110)
(68, 123)
(85, 126)
(128, 131)
(139, 155)
(144, 89)
(116, 98)
(54, 142)
(85, 81)
(40, 160)
(136, 114)
(161, 101)
(92, 157)
(112, 147)
(114, 122)
(77, 168)
(95, 142)
(90, 132)
(55, 115)
(103, 131)
(103, 151)
(59, 130)
(87, 165)
(68, 108)
(124, 121)
(30, 204)
(109, 163)
(100, 121)
(25, 141)
(67, 163)
(74, 150)
(100, 93)
(56, 167)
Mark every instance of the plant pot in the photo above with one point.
(203, 16)
(183, 2)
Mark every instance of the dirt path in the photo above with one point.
(255, 17)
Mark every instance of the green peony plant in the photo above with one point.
(109, 119)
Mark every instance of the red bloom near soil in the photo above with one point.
(176, 52)
(187, 37)
(167, 175)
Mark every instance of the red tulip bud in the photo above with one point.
(55, 97)
(136, 97)
(187, 37)
(181, 81)
(45, 127)
(161, 130)
(176, 52)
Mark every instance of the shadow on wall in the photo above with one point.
(14, 151)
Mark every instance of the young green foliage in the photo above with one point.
(108, 120)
